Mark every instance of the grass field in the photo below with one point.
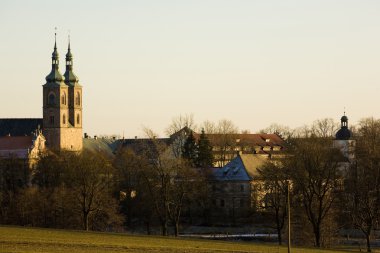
(19, 239)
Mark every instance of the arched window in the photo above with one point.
(64, 119)
(78, 119)
(63, 98)
(77, 99)
(51, 99)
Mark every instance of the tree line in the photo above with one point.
(163, 185)
(328, 191)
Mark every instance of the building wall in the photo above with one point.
(230, 199)
(71, 139)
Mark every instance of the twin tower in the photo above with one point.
(62, 106)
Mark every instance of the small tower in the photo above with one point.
(75, 101)
(343, 139)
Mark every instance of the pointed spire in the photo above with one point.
(55, 55)
(54, 75)
(69, 40)
(70, 78)
(55, 39)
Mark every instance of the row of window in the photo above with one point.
(51, 99)
(234, 188)
(222, 203)
(245, 148)
(51, 119)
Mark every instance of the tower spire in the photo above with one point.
(69, 41)
(54, 75)
(55, 38)
(70, 77)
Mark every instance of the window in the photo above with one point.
(222, 203)
(51, 120)
(241, 203)
(51, 99)
(63, 98)
(242, 188)
(64, 119)
(78, 119)
(77, 99)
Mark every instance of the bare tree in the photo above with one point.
(208, 127)
(325, 128)
(275, 179)
(180, 122)
(314, 167)
(89, 179)
(128, 177)
(274, 128)
(171, 182)
(178, 131)
(363, 183)
(224, 141)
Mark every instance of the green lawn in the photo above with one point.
(19, 239)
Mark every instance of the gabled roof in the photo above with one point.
(252, 162)
(251, 139)
(233, 171)
(19, 127)
(105, 146)
(15, 142)
(141, 146)
(241, 168)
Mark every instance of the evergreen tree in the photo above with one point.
(205, 157)
(190, 149)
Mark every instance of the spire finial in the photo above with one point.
(344, 113)
(69, 39)
(55, 38)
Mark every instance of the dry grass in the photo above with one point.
(19, 239)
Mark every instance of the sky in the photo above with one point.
(144, 62)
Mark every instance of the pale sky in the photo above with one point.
(142, 62)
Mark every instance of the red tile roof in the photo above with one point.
(15, 142)
(250, 139)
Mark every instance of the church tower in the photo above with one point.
(343, 139)
(75, 101)
(58, 129)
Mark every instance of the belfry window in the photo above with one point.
(77, 99)
(78, 119)
(64, 119)
(63, 98)
(51, 99)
